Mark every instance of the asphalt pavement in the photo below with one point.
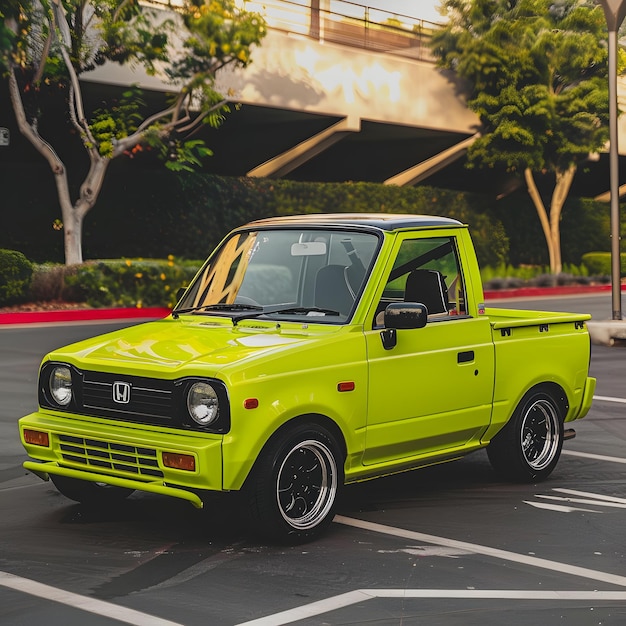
(450, 545)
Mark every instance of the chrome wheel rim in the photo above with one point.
(540, 434)
(306, 484)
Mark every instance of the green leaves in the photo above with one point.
(538, 71)
(53, 45)
(185, 155)
(131, 33)
(118, 121)
(219, 34)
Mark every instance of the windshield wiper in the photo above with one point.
(219, 307)
(296, 310)
(304, 310)
(250, 311)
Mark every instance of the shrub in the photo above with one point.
(15, 275)
(131, 282)
(49, 282)
(599, 263)
(508, 277)
(207, 207)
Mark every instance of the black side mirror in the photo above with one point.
(406, 315)
(402, 315)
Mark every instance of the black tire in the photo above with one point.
(86, 492)
(295, 485)
(528, 448)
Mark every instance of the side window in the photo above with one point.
(427, 271)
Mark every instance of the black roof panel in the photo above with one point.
(383, 221)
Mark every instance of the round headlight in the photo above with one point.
(61, 385)
(202, 403)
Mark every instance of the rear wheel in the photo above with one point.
(90, 493)
(295, 485)
(529, 446)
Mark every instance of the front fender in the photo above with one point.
(286, 398)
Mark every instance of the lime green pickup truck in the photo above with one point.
(310, 352)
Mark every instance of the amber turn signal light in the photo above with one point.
(179, 461)
(36, 437)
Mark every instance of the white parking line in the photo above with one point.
(353, 597)
(360, 595)
(595, 496)
(559, 508)
(596, 502)
(610, 399)
(83, 603)
(505, 555)
(598, 457)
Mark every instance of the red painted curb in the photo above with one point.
(532, 292)
(81, 315)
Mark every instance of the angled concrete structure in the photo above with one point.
(320, 95)
(339, 92)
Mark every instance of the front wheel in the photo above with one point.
(90, 493)
(528, 448)
(295, 485)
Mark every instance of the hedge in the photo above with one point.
(131, 282)
(585, 226)
(599, 263)
(216, 205)
(15, 275)
(152, 213)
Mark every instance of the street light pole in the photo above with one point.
(614, 11)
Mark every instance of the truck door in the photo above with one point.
(432, 391)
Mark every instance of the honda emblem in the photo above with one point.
(121, 392)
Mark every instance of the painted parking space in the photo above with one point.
(151, 560)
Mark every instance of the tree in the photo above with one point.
(48, 45)
(538, 75)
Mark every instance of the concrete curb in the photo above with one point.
(607, 332)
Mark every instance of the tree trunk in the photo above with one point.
(563, 184)
(72, 236)
(542, 213)
(72, 214)
(551, 224)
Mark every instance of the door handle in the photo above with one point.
(465, 357)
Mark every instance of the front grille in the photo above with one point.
(148, 397)
(99, 454)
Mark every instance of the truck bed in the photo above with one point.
(516, 318)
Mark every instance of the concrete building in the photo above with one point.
(339, 91)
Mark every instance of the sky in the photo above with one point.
(423, 9)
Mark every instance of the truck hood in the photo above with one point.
(169, 345)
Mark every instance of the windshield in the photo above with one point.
(284, 274)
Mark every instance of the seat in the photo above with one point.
(332, 290)
(429, 288)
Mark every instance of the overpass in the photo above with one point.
(335, 93)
